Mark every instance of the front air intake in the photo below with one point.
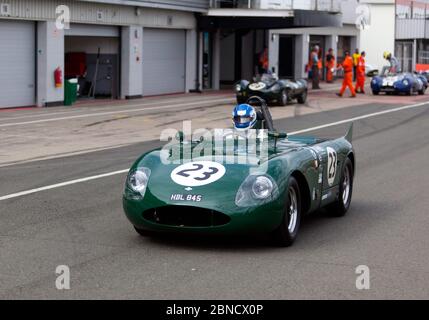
(186, 216)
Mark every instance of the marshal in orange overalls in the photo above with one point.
(348, 76)
(330, 65)
(360, 75)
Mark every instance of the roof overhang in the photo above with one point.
(267, 19)
(185, 6)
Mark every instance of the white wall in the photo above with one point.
(112, 14)
(191, 60)
(50, 55)
(131, 62)
(348, 10)
(380, 36)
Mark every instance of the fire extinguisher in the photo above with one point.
(58, 76)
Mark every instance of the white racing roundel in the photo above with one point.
(198, 173)
(332, 165)
(257, 86)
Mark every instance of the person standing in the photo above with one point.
(314, 65)
(394, 66)
(330, 65)
(347, 66)
(360, 74)
(263, 60)
(356, 57)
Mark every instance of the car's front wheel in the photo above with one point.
(342, 204)
(287, 232)
(283, 98)
(375, 92)
(302, 98)
(422, 91)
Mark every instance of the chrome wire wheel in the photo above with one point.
(293, 210)
(284, 98)
(346, 185)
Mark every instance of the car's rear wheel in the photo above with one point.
(422, 91)
(283, 98)
(142, 232)
(302, 98)
(342, 204)
(287, 232)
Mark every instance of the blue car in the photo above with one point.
(406, 83)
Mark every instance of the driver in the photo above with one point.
(394, 66)
(244, 117)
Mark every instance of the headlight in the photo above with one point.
(262, 187)
(137, 180)
(256, 190)
(237, 87)
(405, 82)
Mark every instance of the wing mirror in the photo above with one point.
(277, 135)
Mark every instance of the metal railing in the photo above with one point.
(423, 57)
(317, 5)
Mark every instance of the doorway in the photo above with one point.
(404, 53)
(207, 60)
(94, 61)
(286, 56)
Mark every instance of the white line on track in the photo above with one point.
(98, 108)
(119, 111)
(370, 115)
(62, 184)
(67, 183)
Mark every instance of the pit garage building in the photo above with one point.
(135, 49)
(125, 49)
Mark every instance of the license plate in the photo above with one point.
(186, 197)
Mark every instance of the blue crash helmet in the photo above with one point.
(244, 117)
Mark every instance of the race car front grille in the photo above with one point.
(186, 216)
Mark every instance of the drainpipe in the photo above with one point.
(197, 80)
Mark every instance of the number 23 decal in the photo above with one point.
(194, 174)
(332, 165)
(199, 168)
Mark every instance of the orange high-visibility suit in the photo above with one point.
(360, 75)
(330, 65)
(263, 60)
(348, 76)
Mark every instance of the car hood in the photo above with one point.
(168, 173)
(165, 181)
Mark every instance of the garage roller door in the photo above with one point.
(17, 64)
(163, 61)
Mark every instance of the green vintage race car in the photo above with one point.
(265, 192)
(273, 90)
